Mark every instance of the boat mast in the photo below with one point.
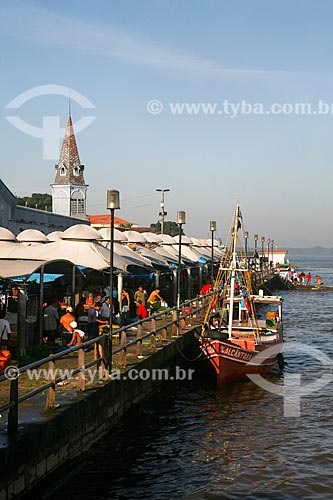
(233, 271)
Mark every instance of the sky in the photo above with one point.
(128, 64)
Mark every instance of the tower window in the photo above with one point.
(76, 171)
(77, 206)
(63, 170)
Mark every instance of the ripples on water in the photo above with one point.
(193, 442)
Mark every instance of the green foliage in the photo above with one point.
(36, 200)
(170, 227)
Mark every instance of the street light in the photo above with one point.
(268, 242)
(112, 204)
(272, 248)
(246, 237)
(181, 219)
(162, 213)
(212, 226)
(262, 252)
(255, 237)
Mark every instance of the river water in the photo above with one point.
(193, 442)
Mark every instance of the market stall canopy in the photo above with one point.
(138, 260)
(185, 240)
(164, 252)
(153, 237)
(32, 236)
(6, 235)
(167, 239)
(55, 235)
(117, 235)
(135, 237)
(188, 253)
(152, 256)
(14, 268)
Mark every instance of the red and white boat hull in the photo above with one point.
(233, 362)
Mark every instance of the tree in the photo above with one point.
(43, 201)
(170, 228)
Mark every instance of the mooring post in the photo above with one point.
(139, 343)
(50, 395)
(123, 352)
(175, 327)
(182, 322)
(164, 334)
(13, 410)
(153, 334)
(81, 385)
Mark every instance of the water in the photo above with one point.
(193, 442)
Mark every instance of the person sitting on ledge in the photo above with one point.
(78, 335)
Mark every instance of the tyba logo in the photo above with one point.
(50, 132)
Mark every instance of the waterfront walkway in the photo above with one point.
(66, 392)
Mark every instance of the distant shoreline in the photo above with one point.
(310, 251)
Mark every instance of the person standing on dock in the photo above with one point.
(308, 279)
(318, 281)
(51, 322)
(140, 294)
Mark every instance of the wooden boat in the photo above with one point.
(245, 335)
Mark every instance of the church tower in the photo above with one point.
(69, 191)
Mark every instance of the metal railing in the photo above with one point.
(102, 347)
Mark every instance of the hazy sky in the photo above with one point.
(122, 54)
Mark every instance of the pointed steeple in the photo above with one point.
(69, 191)
(69, 169)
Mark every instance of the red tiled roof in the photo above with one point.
(105, 219)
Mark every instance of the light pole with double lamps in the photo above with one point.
(162, 212)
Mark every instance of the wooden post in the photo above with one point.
(81, 385)
(164, 334)
(50, 395)
(175, 326)
(21, 323)
(194, 306)
(13, 410)
(123, 352)
(101, 354)
(139, 344)
(153, 334)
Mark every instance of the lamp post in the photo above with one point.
(272, 248)
(262, 252)
(212, 226)
(162, 213)
(112, 203)
(255, 237)
(181, 219)
(246, 237)
(268, 243)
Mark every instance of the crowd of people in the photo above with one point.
(71, 326)
(301, 278)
